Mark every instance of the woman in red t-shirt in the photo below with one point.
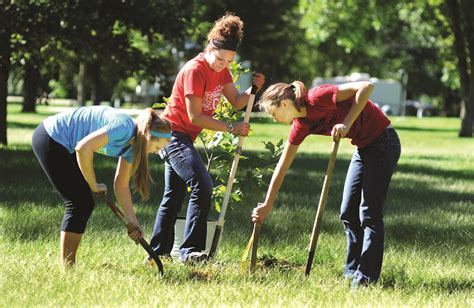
(341, 111)
(196, 93)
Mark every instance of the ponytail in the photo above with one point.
(149, 120)
(275, 94)
(300, 94)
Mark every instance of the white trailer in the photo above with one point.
(388, 94)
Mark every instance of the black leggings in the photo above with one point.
(63, 172)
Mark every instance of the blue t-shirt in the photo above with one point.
(70, 127)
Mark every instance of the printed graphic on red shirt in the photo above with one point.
(211, 99)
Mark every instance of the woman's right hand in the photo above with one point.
(241, 129)
(99, 188)
(260, 213)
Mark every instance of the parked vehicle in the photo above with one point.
(388, 94)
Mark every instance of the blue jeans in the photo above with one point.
(183, 168)
(365, 189)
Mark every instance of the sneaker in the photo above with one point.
(350, 275)
(194, 257)
(360, 282)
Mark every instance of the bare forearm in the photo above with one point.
(208, 122)
(242, 100)
(85, 160)
(275, 184)
(124, 198)
(361, 98)
(281, 169)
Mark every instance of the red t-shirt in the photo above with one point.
(196, 78)
(323, 112)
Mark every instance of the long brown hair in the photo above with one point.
(276, 93)
(148, 120)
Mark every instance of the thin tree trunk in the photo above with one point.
(467, 7)
(96, 82)
(81, 99)
(4, 72)
(468, 116)
(460, 46)
(31, 85)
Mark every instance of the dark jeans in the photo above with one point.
(63, 172)
(183, 168)
(365, 189)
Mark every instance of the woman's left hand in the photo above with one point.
(260, 213)
(339, 130)
(136, 234)
(258, 79)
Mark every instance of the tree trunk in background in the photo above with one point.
(468, 116)
(467, 7)
(451, 103)
(31, 85)
(96, 82)
(461, 25)
(4, 71)
(81, 99)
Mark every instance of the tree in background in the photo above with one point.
(114, 40)
(272, 34)
(24, 27)
(100, 49)
(106, 40)
(459, 13)
(381, 37)
(5, 52)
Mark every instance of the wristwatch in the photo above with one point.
(230, 127)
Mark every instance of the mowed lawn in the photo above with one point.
(429, 221)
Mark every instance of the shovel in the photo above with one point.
(322, 203)
(131, 228)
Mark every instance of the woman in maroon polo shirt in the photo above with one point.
(343, 111)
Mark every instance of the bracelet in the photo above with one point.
(230, 127)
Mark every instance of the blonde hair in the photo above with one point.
(275, 94)
(148, 120)
(227, 28)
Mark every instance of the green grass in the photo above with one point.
(429, 232)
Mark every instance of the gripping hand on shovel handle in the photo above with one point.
(133, 228)
(260, 213)
(258, 80)
(134, 232)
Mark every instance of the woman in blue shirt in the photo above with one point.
(65, 145)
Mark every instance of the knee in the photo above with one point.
(373, 220)
(76, 216)
(349, 215)
(202, 186)
(174, 197)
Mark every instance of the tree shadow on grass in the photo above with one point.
(393, 277)
(21, 125)
(412, 199)
(23, 182)
(428, 130)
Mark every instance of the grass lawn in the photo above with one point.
(429, 221)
